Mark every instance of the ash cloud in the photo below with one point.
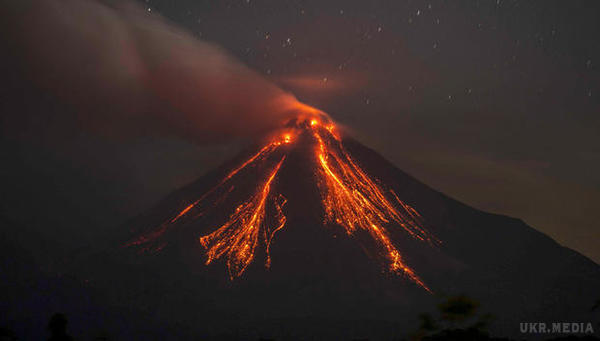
(115, 69)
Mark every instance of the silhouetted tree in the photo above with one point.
(457, 321)
(458, 309)
(58, 328)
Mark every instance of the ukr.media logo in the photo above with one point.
(556, 328)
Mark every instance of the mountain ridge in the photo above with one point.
(516, 272)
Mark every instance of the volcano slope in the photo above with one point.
(311, 235)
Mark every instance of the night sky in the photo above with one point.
(494, 103)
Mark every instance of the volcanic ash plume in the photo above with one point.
(123, 70)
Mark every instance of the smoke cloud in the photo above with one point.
(119, 70)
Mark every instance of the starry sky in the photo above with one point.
(494, 103)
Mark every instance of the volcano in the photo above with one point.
(349, 198)
(310, 235)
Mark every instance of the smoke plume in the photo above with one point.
(117, 69)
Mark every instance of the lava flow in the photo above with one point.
(239, 236)
(353, 200)
(153, 235)
(349, 196)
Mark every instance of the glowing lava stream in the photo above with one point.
(239, 236)
(353, 200)
(350, 198)
(154, 234)
(231, 174)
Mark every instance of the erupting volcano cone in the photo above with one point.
(353, 204)
(311, 235)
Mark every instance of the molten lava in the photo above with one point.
(238, 237)
(353, 200)
(350, 198)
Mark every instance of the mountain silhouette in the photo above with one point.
(315, 280)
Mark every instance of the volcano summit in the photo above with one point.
(309, 234)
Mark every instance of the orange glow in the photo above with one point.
(239, 236)
(350, 197)
(307, 109)
(231, 174)
(184, 211)
(154, 234)
(353, 200)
